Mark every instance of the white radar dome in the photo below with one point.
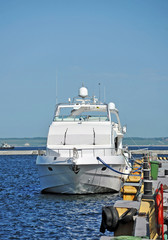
(83, 92)
(111, 106)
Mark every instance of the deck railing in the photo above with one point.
(77, 152)
(67, 118)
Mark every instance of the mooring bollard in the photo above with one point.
(145, 159)
(146, 173)
(166, 172)
(145, 165)
(148, 194)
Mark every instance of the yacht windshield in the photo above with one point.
(82, 113)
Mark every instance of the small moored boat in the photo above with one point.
(6, 146)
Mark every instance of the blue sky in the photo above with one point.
(123, 45)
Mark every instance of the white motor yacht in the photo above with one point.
(84, 151)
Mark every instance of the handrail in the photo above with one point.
(83, 148)
(106, 151)
(65, 136)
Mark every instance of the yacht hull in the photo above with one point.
(68, 177)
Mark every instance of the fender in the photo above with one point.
(110, 219)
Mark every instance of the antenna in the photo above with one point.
(99, 93)
(56, 88)
(104, 94)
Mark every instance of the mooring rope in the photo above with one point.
(129, 164)
(99, 159)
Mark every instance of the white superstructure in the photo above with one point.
(81, 131)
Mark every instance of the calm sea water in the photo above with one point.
(25, 213)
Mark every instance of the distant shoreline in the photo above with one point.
(42, 141)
